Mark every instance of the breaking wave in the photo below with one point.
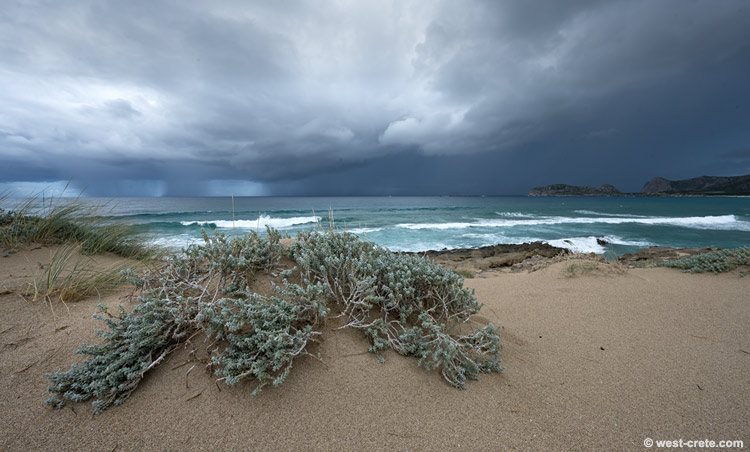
(591, 244)
(717, 222)
(261, 222)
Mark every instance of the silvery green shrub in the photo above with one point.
(714, 261)
(400, 302)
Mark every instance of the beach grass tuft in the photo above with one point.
(44, 220)
(468, 274)
(588, 265)
(580, 267)
(70, 277)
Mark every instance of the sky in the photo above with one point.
(369, 97)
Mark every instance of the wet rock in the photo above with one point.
(492, 257)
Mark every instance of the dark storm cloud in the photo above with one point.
(371, 97)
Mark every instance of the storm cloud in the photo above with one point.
(371, 97)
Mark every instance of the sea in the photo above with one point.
(610, 226)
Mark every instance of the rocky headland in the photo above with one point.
(658, 186)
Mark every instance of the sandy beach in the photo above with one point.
(599, 361)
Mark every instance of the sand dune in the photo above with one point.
(597, 362)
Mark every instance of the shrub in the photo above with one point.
(714, 261)
(399, 302)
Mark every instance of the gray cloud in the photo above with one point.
(298, 97)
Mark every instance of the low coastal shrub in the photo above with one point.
(403, 303)
(714, 261)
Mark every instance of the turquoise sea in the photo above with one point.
(425, 223)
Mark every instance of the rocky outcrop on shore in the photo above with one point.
(493, 257)
(526, 256)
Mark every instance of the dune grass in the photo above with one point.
(48, 221)
(70, 277)
(80, 230)
(580, 267)
(464, 273)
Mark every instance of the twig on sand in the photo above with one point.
(7, 329)
(24, 369)
(193, 397)
(186, 376)
(180, 365)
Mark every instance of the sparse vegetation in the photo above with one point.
(58, 221)
(580, 267)
(468, 274)
(68, 277)
(403, 303)
(80, 231)
(587, 264)
(714, 261)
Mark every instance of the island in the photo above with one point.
(658, 186)
(575, 190)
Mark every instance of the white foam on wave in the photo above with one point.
(590, 244)
(262, 222)
(363, 230)
(620, 241)
(717, 222)
(515, 214)
(420, 247)
(579, 244)
(437, 225)
(176, 242)
(493, 238)
(623, 215)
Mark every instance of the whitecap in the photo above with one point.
(579, 244)
(176, 242)
(363, 230)
(717, 222)
(260, 223)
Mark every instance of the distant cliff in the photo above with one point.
(704, 185)
(574, 190)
